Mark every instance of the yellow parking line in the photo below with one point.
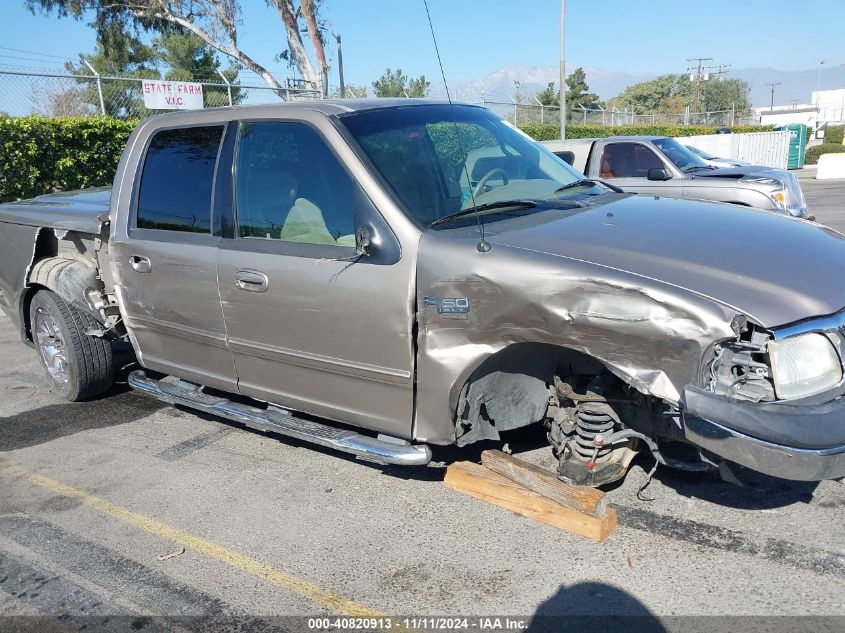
(237, 560)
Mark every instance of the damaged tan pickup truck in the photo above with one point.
(427, 274)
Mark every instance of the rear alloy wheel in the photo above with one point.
(78, 366)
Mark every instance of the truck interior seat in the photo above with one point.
(606, 171)
(264, 203)
(305, 223)
(617, 161)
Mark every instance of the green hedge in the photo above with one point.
(42, 154)
(551, 132)
(833, 134)
(812, 155)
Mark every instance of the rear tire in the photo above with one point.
(77, 366)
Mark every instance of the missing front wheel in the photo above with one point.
(584, 414)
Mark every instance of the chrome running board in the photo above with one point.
(277, 420)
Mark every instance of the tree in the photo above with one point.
(549, 96)
(675, 93)
(727, 94)
(188, 58)
(577, 92)
(419, 87)
(296, 53)
(652, 95)
(396, 84)
(213, 21)
(62, 98)
(126, 56)
(352, 91)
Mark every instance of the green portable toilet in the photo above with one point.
(797, 144)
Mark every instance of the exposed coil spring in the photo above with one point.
(591, 419)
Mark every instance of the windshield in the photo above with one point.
(684, 159)
(701, 152)
(437, 159)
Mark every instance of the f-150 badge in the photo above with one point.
(450, 307)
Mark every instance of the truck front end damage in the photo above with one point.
(774, 401)
(587, 354)
(613, 363)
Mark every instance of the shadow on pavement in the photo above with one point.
(52, 421)
(756, 492)
(43, 424)
(589, 607)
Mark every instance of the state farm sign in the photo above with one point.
(172, 95)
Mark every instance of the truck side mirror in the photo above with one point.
(362, 241)
(659, 173)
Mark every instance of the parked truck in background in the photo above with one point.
(426, 274)
(660, 165)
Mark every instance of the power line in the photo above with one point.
(722, 70)
(698, 76)
(20, 50)
(773, 85)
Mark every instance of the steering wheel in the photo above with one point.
(479, 188)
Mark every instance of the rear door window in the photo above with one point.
(177, 180)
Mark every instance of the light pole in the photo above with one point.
(340, 66)
(562, 70)
(819, 84)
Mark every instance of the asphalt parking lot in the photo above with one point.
(825, 198)
(116, 511)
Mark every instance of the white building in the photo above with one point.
(830, 104)
(782, 115)
(826, 106)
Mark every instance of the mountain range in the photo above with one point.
(500, 86)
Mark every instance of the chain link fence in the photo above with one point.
(51, 94)
(25, 92)
(522, 113)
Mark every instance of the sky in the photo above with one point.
(477, 37)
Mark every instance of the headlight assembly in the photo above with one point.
(779, 196)
(804, 365)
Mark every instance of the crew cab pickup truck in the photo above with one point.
(414, 273)
(660, 165)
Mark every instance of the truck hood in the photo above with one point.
(770, 267)
(738, 172)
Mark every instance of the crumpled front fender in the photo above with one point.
(650, 334)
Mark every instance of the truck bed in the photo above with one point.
(84, 210)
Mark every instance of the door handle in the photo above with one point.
(251, 280)
(140, 264)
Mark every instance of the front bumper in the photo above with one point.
(798, 442)
(799, 212)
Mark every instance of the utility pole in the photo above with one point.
(773, 85)
(340, 66)
(722, 70)
(562, 70)
(698, 74)
(819, 84)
